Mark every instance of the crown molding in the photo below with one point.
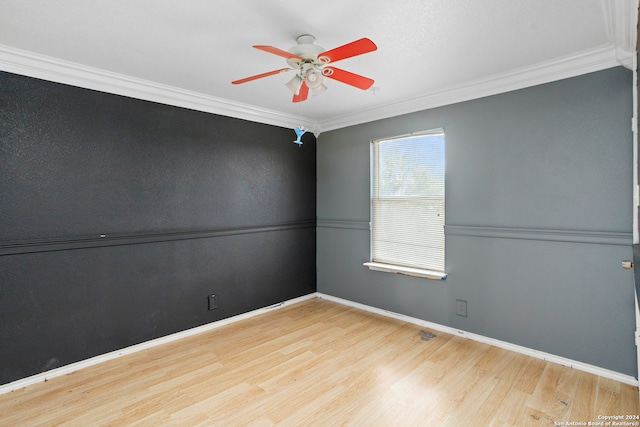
(621, 20)
(44, 67)
(572, 66)
(32, 64)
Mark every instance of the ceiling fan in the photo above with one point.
(312, 62)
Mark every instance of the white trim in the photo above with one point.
(606, 373)
(563, 68)
(32, 64)
(637, 331)
(620, 21)
(634, 130)
(67, 369)
(408, 271)
(64, 370)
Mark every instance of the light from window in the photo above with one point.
(407, 204)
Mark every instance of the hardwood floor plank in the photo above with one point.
(318, 363)
(555, 392)
(607, 397)
(512, 409)
(527, 379)
(583, 403)
(629, 400)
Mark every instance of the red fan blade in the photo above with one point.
(277, 51)
(361, 82)
(303, 94)
(348, 50)
(259, 76)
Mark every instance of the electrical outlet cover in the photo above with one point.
(461, 307)
(213, 303)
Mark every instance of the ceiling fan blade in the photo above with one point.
(348, 50)
(303, 94)
(259, 76)
(361, 82)
(277, 51)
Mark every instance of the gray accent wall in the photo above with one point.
(538, 213)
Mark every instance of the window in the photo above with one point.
(407, 205)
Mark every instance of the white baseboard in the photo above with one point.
(67, 369)
(606, 373)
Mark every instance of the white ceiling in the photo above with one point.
(430, 52)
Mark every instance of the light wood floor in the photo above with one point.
(318, 363)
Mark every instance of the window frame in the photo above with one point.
(392, 268)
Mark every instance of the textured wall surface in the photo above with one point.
(119, 216)
(538, 214)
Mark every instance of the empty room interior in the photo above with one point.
(204, 221)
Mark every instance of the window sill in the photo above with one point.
(409, 271)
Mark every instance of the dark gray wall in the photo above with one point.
(189, 204)
(538, 213)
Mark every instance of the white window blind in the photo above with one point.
(407, 205)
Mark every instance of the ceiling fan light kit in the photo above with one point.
(318, 90)
(311, 63)
(294, 84)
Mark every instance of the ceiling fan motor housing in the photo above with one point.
(310, 66)
(307, 48)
